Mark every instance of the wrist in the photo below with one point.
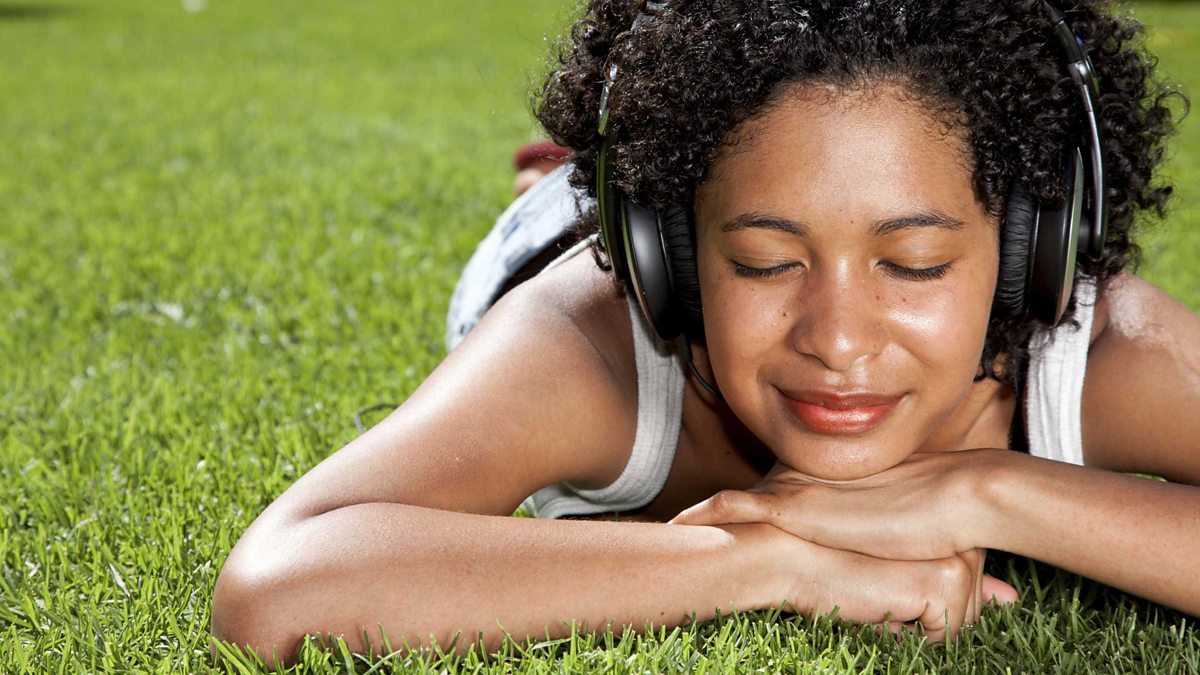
(994, 487)
(771, 562)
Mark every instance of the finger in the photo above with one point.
(977, 558)
(956, 586)
(934, 629)
(998, 592)
(726, 507)
(976, 607)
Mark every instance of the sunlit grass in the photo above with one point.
(225, 226)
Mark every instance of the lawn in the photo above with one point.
(225, 226)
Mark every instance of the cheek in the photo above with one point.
(945, 326)
(744, 327)
(741, 328)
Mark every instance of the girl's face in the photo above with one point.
(847, 273)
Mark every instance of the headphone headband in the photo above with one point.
(1079, 66)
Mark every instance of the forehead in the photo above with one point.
(821, 152)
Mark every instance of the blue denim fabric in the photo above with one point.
(535, 220)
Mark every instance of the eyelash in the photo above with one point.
(920, 274)
(911, 274)
(759, 272)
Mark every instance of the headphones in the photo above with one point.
(653, 251)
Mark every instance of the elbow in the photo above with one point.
(247, 611)
(288, 577)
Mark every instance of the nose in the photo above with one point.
(839, 321)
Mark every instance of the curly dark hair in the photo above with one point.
(699, 68)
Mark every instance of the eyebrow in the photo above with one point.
(930, 218)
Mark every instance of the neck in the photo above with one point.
(981, 420)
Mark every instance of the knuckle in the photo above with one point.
(727, 503)
(733, 503)
(954, 574)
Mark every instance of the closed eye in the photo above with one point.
(917, 273)
(898, 271)
(760, 272)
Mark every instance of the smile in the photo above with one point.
(838, 414)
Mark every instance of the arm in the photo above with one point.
(1135, 534)
(1141, 398)
(1141, 395)
(419, 573)
(1141, 413)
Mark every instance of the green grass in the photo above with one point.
(223, 231)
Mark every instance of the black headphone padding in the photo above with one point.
(679, 238)
(1018, 237)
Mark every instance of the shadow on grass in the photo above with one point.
(28, 12)
(1057, 590)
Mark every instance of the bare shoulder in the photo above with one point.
(1132, 308)
(584, 295)
(1143, 383)
(528, 399)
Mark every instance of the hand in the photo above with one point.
(932, 597)
(927, 507)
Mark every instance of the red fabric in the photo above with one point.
(528, 154)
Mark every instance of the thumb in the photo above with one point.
(998, 592)
(725, 507)
(697, 514)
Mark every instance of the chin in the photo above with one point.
(840, 461)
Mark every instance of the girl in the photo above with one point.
(830, 267)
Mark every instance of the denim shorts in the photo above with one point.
(534, 221)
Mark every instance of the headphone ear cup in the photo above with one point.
(1056, 240)
(1018, 237)
(650, 273)
(679, 240)
(653, 253)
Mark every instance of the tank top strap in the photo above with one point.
(660, 381)
(1054, 383)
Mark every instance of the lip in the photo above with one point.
(839, 413)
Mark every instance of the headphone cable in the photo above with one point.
(687, 346)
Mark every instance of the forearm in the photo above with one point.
(1139, 535)
(420, 572)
